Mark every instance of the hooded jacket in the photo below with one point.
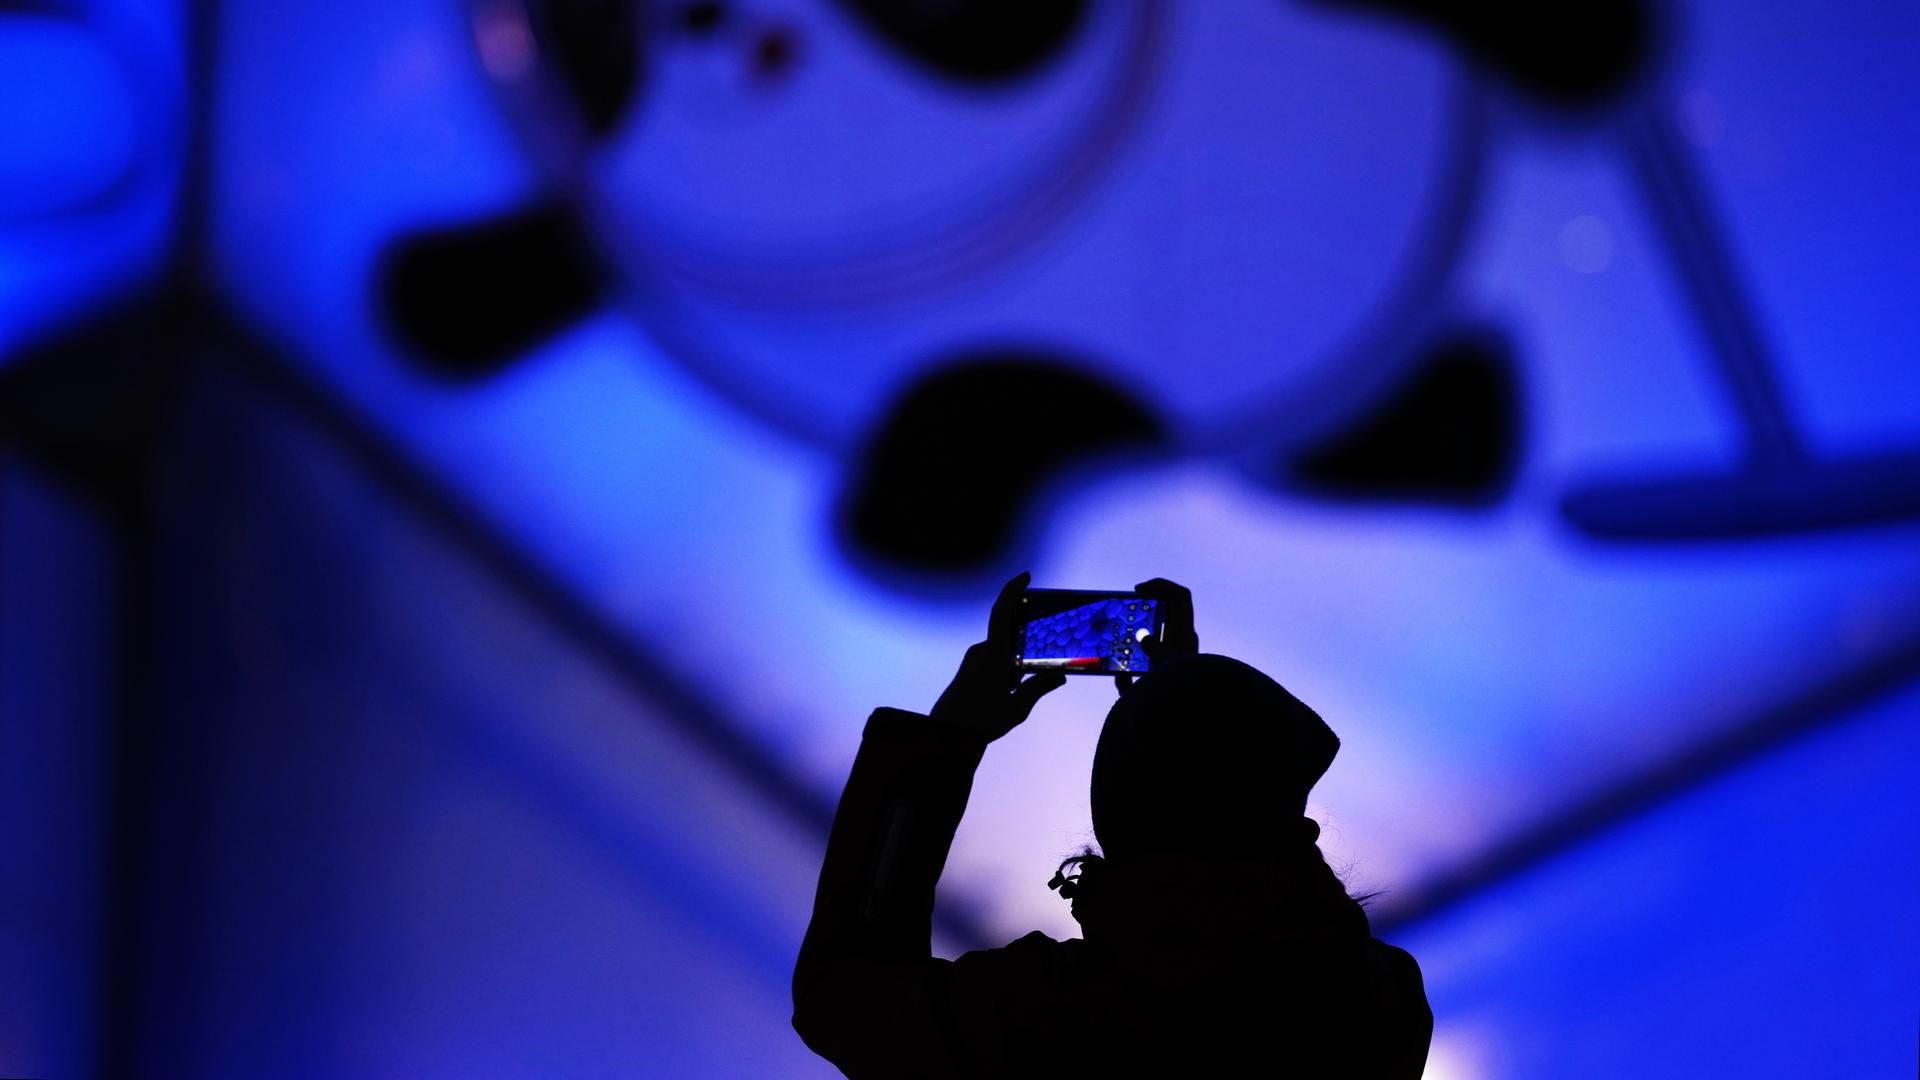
(1189, 965)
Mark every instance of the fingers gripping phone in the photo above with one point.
(1081, 632)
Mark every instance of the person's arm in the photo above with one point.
(868, 996)
(864, 996)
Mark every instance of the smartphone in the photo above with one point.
(1085, 633)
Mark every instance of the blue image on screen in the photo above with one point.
(1103, 636)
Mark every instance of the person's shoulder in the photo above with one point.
(1017, 1004)
(1406, 1011)
(1036, 947)
(1400, 973)
(1392, 954)
(1028, 978)
(1394, 961)
(1038, 941)
(1034, 956)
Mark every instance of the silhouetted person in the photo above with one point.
(1217, 941)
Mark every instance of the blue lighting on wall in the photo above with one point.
(624, 408)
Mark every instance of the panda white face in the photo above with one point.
(1153, 181)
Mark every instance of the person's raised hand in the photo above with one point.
(987, 695)
(1175, 605)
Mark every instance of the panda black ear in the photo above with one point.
(974, 41)
(1449, 434)
(595, 46)
(467, 300)
(1576, 55)
(944, 483)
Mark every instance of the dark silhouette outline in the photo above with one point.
(1216, 937)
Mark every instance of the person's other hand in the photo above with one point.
(987, 695)
(1176, 615)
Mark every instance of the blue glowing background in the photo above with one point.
(427, 722)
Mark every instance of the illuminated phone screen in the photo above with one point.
(1085, 633)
